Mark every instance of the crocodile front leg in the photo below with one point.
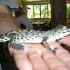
(47, 46)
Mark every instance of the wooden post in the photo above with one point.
(58, 13)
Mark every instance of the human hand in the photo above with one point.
(37, 57)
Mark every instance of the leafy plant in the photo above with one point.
(68, 10)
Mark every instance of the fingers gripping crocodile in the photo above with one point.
(33, 36)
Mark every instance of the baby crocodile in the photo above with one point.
(33, 36)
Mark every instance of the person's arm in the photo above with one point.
(7, 22)
(4, 9)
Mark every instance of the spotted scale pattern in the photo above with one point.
(33, 36)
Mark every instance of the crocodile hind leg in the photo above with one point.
(15, 45)
(47, 46)
(18, 46)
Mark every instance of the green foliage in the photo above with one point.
(68, 11)
(43, 11)
(36, 13)
(40, 11)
